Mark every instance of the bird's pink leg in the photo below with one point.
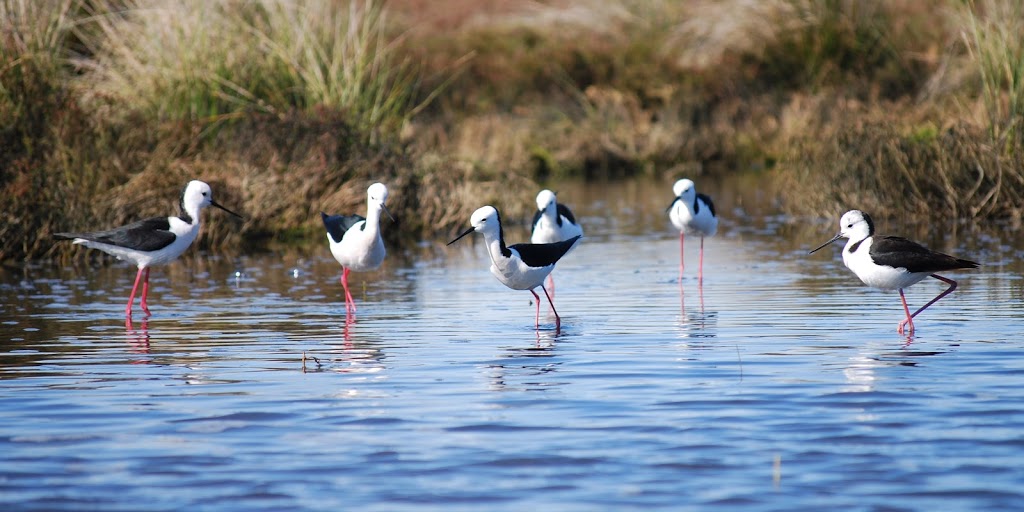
(681, 256)
(558, 320)
(145, 292)
(551, 283)
(700, 269)
(536, 321)
(952, 286)
(131, 298)
(910, 318)
(350, 304)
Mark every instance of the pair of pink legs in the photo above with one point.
(909, 322)
(350, 303)
(558, 320)
(700, 269)
(145, 292)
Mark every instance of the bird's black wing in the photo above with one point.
(707, 201)
(145, 235)
(337, 225)
(542, 255)
(898, 252)
(563, 211)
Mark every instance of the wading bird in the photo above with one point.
(891, 262)
(355, 240)
(519, 266)
(552, 223)
(692, 214)
(154, 241)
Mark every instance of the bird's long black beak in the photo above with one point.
(385, 208)
(464, 233)
(826, 243)
(214, 203)
(670, 205)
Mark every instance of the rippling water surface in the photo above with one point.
(780, 383)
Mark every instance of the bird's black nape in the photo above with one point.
(871, 223)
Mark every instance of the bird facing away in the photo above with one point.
(553, 222)
(153, 241)
(355, 241)
(519, 266)
(892, 262)
(692, 214)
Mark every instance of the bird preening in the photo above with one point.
(892, 262)
(153, 241)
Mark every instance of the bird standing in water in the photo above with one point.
(553, 222)
(892, 262)
(153, 241)
(519, 266)
(355, 241)
(692, 214)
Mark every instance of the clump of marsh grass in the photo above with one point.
(208, 61)
(992, 32)
(36, 38)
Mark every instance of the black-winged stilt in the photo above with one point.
(355, 240)
(552, 223)
(692, 214)
(519, 266)
(154, 241)
(891, 262)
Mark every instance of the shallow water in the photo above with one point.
(780, 383)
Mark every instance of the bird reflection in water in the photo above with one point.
(138, 339)
(527, 368)
(695, 323)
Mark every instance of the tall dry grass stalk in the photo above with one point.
(993, 32)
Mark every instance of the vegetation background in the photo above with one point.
(108, 107)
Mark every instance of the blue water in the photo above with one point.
(778, 384)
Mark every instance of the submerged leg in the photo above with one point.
(131, 298)
(145, 292)
(558, 320)
(910, 318)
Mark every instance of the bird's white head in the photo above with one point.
(546, 199)
(684, 189)
(376, 196)
(854, 225)
(196, 196)
(484, 220)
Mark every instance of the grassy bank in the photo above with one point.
(107, 107)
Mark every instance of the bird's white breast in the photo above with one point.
(700, 224)
(359, 249)
(547, 230)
